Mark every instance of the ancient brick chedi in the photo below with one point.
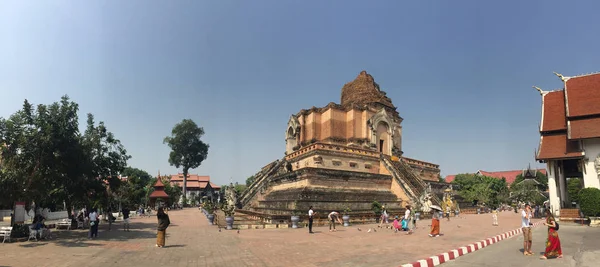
(342, 156)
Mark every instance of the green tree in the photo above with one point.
(249, 181)
(187, 150)
(483, 189)
(46, 159)
(527, 191)
(574, 185)
(133, 191)
(541, 178)
(174, 192)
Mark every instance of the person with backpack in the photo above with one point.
(553, 248)
(163, 224)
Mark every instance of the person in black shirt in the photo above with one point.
(125, 212)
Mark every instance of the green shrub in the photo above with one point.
(377, 208)
(589, 201)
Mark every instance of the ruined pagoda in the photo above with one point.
(343, 156)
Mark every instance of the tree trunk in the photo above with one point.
(184, 189)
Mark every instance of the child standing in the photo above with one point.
(495, 217)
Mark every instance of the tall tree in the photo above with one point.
(46, 159)
(187, 150)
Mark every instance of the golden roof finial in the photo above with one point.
(562, 77)
(542, 92)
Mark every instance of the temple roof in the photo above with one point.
(583, 95)
(364, 90)
(570, 114)
(194, 181)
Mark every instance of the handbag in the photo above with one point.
(556, 226)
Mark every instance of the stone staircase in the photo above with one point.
(571, 215)
(260, 181)
(404, 175)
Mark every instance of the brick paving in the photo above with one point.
(192, 242)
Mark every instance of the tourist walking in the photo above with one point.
(409, 218)
(495, 217)
(435, 221)
(333, 217)
(384, 218)
(93, 223)
(553, 249)
(311, 213)
(526, 228)
(163, 223)
(126, 213)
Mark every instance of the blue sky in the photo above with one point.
(460, 72)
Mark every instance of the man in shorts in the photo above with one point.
(126, 213)
(526, 227)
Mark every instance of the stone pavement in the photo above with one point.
(192, 242)
(580, 246)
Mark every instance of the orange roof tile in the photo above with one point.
(553, 108)
(191, 177)
(159, 183)
(449, 178)
(586, 128)
(158, 193)
(583, 95)
(557, 147)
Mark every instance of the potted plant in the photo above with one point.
(377, 209)
(589, 203)
(209, 209)
(229, 212)
(346, 216)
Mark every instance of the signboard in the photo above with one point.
(19, 212)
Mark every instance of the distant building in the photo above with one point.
(570, 136)
(197, 185)
(510, 176)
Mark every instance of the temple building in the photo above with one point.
(159, 196)
(343, 156)
(570, 136)
(197, 185)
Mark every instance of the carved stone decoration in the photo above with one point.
(597, 165)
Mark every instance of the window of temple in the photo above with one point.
(353, 164)
(368, 166)
(336, 163)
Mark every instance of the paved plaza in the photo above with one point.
(192, 242)
(580, 246)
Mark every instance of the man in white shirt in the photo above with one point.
(93, 223)
(408, 219)
(311, 213)
(526, 227)
(333, 216)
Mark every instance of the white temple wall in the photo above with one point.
(592, 152)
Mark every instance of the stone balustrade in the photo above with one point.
(420, 163)
(331, 147)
